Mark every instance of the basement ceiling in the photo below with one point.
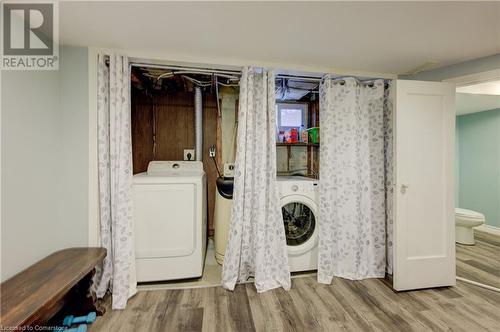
(388, 37)
(172, 81)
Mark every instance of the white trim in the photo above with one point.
(475, 283)
(485, 76)
(228, 63)
(94, 224)
(488, 229)
(283, 68)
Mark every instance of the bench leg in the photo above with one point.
(83, 300)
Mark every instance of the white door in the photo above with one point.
(424, 224)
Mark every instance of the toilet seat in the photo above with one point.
(469, 214)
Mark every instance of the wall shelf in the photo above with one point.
(298, 144)
(311, 150)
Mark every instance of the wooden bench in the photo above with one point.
(61, 280)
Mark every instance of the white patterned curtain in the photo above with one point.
(353, 209)
(257, 245)
(117, 273)
(389, 172)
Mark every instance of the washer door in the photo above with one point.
(300, 222)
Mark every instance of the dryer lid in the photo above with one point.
(171, 172)
(166, 166)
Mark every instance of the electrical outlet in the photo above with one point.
(229, 170)
(211, 151)
(189, 154)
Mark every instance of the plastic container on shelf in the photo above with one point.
(281, 136)
(313, 135)
(304, 136)
(294, 135)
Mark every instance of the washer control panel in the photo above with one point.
(298, 185)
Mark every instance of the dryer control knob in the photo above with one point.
(295, 187)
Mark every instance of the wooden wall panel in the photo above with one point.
(314, 122)
(142, 131)
(174, 125)
(174, 133)
(314, 113)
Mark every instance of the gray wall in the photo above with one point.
(479, 163)
(74, 166)
(44, 130)
(460, 69)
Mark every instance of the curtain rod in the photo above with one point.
(300, 78)
(191, 69)
(369, 82)
(217, 71)
(340, 80)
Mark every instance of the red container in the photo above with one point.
(294, 135)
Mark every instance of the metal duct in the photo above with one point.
(198, 124)
(290, 89)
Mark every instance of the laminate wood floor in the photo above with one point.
(480, 262)
(368, 305)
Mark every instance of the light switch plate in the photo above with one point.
(189, 154)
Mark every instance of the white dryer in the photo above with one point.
(299, 207)
(170, 220)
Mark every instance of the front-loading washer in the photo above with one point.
(299, 206)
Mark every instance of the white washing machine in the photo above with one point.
(299, 206)
(170, 220)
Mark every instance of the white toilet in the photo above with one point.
(464, 221)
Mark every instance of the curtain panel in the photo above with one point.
(257, 245)
(117, 273)
(353, 180)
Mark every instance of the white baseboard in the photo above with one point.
(488, 229)
(475, 283)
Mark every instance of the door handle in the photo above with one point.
(404, 188)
